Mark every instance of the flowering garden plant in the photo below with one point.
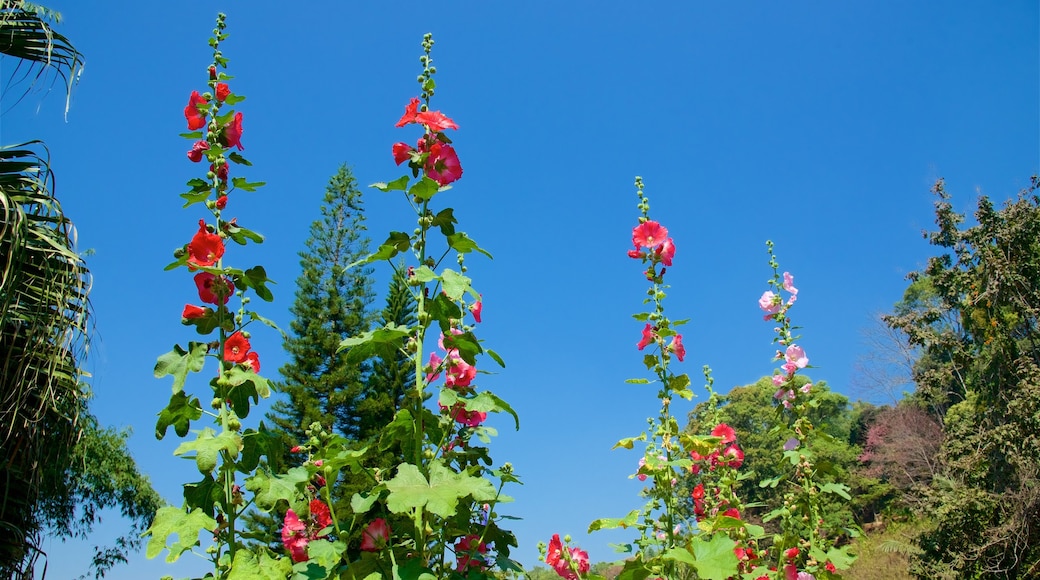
(435, 514)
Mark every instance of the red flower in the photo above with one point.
(402, 152)
(195, 154)
(376, 536)
(732, 512)
(205, 248)
(726, 432)
(735, 456)
(467, 418)
(552, 557)
(222, 91)
(678, 348)
(254, 361)
(791, 553)
(469, 552)
(233, 133)
(648, 337)
(212, 73)
(236, 348)
(476, 309)
(579, 557)
(443, 164)
(409, 113)
(213, 290)
(436, 121)
(196, 120)
(666, 251)
(321, 515)
(294, 536)
(221, 203)
(830, 567)
(192, 312)
(649, 234)
(636, 254)
(222, 171)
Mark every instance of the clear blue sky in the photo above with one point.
(818, 125)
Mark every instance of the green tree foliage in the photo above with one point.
(331, 304)
(753, 412)
(973, 314)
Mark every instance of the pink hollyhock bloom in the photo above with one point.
(476, 309)
(214, 290)
(806, 388)
(236, 348)
(796, 354)
(469, 553)
(205, 248)
(649, 234)
(294, 536)
(409, 113)
(726, 432)
(791, 444)
(789, 367)
(191, 312)
(233, 133)
(460, 374)
(435, 367)
(222, 92)
(648, 337)
(196, 120)
(402, 152)
(376, 536)
(805, 576)
(789, 283)
(467, 418)
(790, 572)
(778, 380)
(735, 455)
(195, 154)
(636, 254)
(666, 251)
(677, 347)
(443, 164)
(769, 302)
(254, 361)
(436, 121)
(641, 476)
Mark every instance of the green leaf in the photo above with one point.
(424, 274)
(179, 362)
(444, 311)
(680, 385)
(194, 135)
(360, 504)
(169, 521)
(611, 523)
(424, 189)
(203, 494)
(456, 284)
(638, 381)
(270, 489)
(440, 495)
(628, 442)
(208, 446)
(681, 555)
(467, 345)
(494, 356)
(257, 443)
(461, 243)
(382, 342)
(837, 489)
(485, 402)
(445, 220)
(240, 234)
(256, 278)
(715, 559)
(193, 197)
(241, 183)
(180, 413)
(642, 316)
(399, 184)
(233, 99)
(650, 361)
(249, 566)
(237, 158)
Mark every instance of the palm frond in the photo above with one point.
(26, 34)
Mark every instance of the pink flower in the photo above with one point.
(195, 154)
(726, 432)
(443, 164)
(641, 476)
(467, 418)
(435, 367)
(555, 552)
(778, 380)
(789, 283)
(476, 309)
(402, 152)
(436, 121)
(734, 455)
(469, 553)
(409, 113)
(294, 536)
(648, 337)
(649, 234)
(460, 373)
(196, 120)
(806, 388)
(636, 254)
(666, 251)
(769, 302)
(376, 536)
(581, 558)
(233, 133)
(796, 355)
(677, 347)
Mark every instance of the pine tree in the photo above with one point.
(331, 303)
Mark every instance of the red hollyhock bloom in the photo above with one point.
(791, 553)
(195, 154)
(649, 234)
(222, 171)
(233, 133)
(553, 555)
(294, 536)
(666, 251)
(222, 91)
(436, 121)
(443, 164)
(254, 361)
(409, 113)
(734, 455)
(732, 512)
(648, 337)
(321, 516)
(205, 248)
(469, 552)
(726, 432)
(830, 567)
(236, 348)
(196, 120)
(678, 348)
(402, 152)
(579, 557)
(467, 418)
(221, 203)
(192, 312)
(210, 286)
(636, 254)
(376, 536)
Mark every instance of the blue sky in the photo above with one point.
(818, 125)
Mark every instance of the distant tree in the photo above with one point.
(901, 449)
(973, 314)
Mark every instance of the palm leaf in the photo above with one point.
(26, 35)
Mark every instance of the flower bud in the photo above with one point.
(216, 402)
